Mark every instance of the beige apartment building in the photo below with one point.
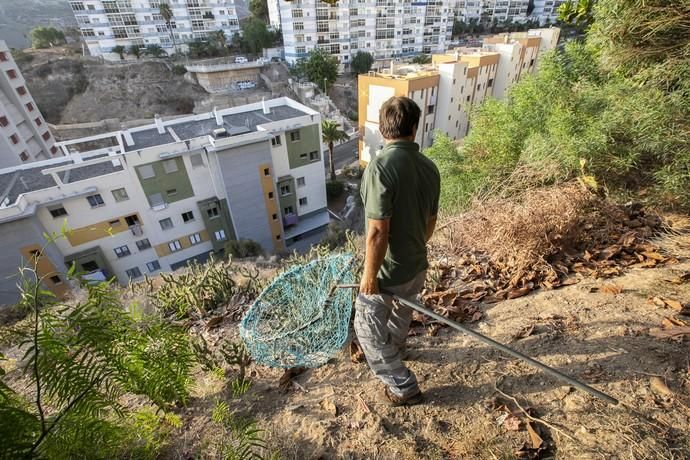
(24, 133)
(450, 86)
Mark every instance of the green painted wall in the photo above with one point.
(309, 142)
(162, 182)
(223, 222)
(287, 200)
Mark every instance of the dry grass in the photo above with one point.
(522, 233)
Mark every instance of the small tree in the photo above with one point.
(255, 36)
(119, 49)
(421, 59)
(331, 134)
(362, 62)
(135, 50)
(218, 42)
(259, 9)
(577, 12)
(46, 37)
(154, 51)
(319, 67)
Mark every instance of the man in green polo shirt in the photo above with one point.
(400, 191)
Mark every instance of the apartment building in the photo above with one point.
(450, 86)
(385, 28)
(106, 24)
(167, 193)
(24, 133)
(274, 13)
(546, 11)
(488, 11)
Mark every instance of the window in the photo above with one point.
(53, 150)
(156, 200)
(430, 109)
(146, 172)
(278, 237)
(288, 210)
(30, 107)
(14, 138)
(12, 73)
(143, 244)
(120, 194)
(133, 273)
(275, 216)
(166, 224)
(276, 140)
(132, 220)
(303, 156)
(175, 246)
(468, 98)
(284, 189)
(294, 136)
(4, 121)
(300, 182)
(195, 239)
(187, 216)
(57, 211)
(314, 156)
(197, 160)
(490, 83)
(267, 172)
(38, 121)
(21, 90)
(153, 266)
(3, 57)
(303, 201)
(298, 26)
(23, 156)
(270, 195)
(122, 251)
(171, 192)
(95, 200)
(170, 166)
(114, 223)
(212, 212)
(220, 235)
(56, 279)
(46, 136)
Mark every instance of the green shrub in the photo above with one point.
(243, 248)
(334, 189)
(179, 69)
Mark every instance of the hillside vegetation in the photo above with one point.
(613, 109)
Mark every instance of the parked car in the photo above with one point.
(241, 60)
(262, 61)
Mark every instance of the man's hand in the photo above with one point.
(369, 286)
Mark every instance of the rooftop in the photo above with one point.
(186, 128)
(39, 175)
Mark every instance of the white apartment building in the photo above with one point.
(546, 10)
(166, 194)
(24, 134)
(487, 11)
(387, 29)
(106, 24)
(448, 88)
(274, 13)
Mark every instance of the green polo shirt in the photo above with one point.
(404, 185)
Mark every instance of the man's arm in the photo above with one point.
(430, 226)
(377, 244)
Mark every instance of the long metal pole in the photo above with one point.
(482, 338)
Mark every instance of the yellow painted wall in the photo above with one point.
(164, 250)
(271, 206)
(98, 230)
(45, 269)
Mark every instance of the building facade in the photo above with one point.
(488, 11)
(448, 88)
(385, 28)
(24, 133)
(165, 194)
(106, 24)
(274, 14)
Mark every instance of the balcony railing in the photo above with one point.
(136, 229)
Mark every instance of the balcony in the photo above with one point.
(290, 219)
(136, 230)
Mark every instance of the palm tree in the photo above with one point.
(330, 135)
(167, 14)
(119, 49)
(135, 50)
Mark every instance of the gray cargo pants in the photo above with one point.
(381, 327)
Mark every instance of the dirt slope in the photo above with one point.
(75, 90)
(598, 337)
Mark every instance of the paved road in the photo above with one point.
(343, 153)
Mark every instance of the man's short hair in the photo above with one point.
(398, 117)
